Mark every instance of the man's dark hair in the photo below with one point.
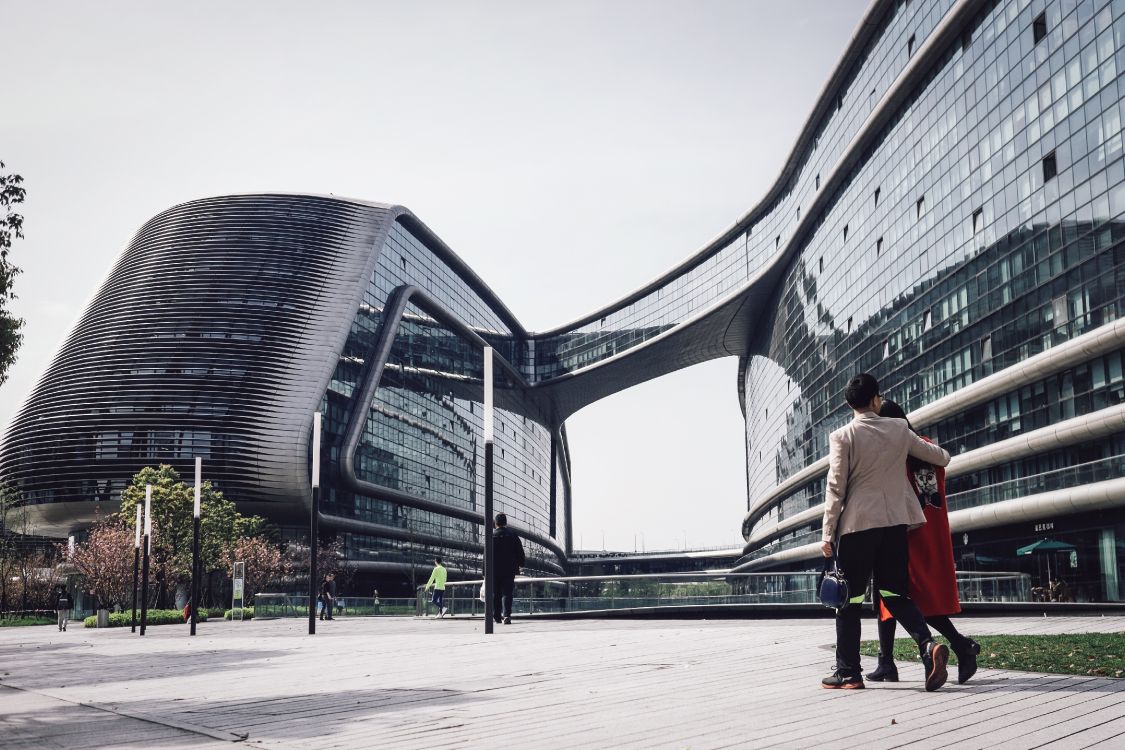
(861, 390)
(501, 519)
(438, 561)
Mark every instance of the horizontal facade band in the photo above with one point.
(1068, 501)
(1099, 424)
(1095, 343)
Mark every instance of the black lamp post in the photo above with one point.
(314, 512)
(194, 605)
(490, 592)
(136, 567)
(146, 552)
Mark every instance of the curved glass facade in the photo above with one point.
(986, 226)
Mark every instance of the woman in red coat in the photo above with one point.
(933, 579)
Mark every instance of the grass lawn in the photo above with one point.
(1094, 654)
(16, 622)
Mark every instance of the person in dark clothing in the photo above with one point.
(328, 596)
(62, 607)
(508, 558)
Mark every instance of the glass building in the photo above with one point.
(951, 218)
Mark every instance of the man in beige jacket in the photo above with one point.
(868, 508)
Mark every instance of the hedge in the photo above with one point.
(247, 613)
(153, 617)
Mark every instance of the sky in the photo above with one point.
(569, 151)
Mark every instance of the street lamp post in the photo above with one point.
(195, 566)
(490, 592)
(136, 567)
(314, 512)
(146, 552)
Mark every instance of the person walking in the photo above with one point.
(933, 578)
(869, 506)
(438, 577)
(327, 596)
(507, 559)
(63, 604)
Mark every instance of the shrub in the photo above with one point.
(215, 612)
(247, 613)
(21, 621)
(153, 617)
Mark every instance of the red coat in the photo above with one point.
(933, 578)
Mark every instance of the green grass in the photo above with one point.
(16, 622)
(1092, 654)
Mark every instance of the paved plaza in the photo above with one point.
(388, 683)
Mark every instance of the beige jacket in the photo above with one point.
(867, 475)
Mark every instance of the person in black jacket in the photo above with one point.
(508, 558)
(328, 596)
(62, 607)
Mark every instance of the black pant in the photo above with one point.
(502, 590)
(940, 623)
(882, 553)
(439, 599)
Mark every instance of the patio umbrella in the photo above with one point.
(1046, 545)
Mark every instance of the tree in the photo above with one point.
(105, 561)
(11, 227)
(329, 559)
(14, 525)
(173, 503)
(265, 566)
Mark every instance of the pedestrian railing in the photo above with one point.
(561, 594)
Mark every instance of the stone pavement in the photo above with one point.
(406, 683)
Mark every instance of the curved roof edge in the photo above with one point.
(824, 104)
(410, 221)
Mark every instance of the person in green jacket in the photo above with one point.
(437, 580)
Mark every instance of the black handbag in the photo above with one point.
(834, 586)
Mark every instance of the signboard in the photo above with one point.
(236, 604)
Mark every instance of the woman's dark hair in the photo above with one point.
(891, 410)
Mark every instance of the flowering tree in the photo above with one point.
(105, 560)
(329, 559)
(265, 566)
(173, 503)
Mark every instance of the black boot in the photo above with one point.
(966, 660)
(935, 656)
(885, 672)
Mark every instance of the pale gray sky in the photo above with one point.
(568, 151)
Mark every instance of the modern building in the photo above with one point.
(951, 219)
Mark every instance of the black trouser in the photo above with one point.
(439, 599)
(502, 590)
(940, 623)
(882, 553)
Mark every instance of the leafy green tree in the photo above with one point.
(11, 227)
(173, 502)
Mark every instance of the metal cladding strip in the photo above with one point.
(1102, 340)
(947, 32)
(1099, 424)
(365, 396)
(1064, 502)
(1080, 499)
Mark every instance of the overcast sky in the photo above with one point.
(568, 151)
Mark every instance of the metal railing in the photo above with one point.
(560, 595)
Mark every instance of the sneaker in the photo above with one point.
(934, 657)
(840, 680)
(498, 620)
(507, 620)
(441, 613)
(967, 661)
(885, 672)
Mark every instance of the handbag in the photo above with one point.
(834, 587)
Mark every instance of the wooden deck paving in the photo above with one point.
(389, 683)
